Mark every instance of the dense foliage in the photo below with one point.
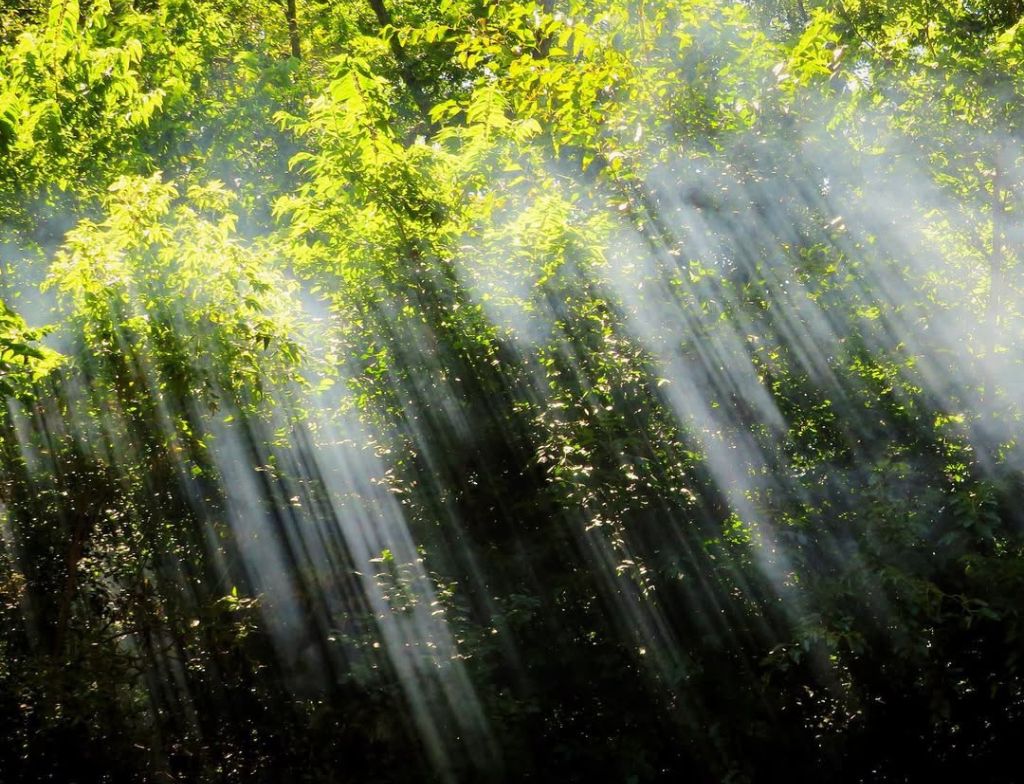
(472, 391)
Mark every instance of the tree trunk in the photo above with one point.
(405, 68)
(291, 14)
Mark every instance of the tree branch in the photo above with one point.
(405, 66)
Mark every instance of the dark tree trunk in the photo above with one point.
(405, 66)
(291, 13)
